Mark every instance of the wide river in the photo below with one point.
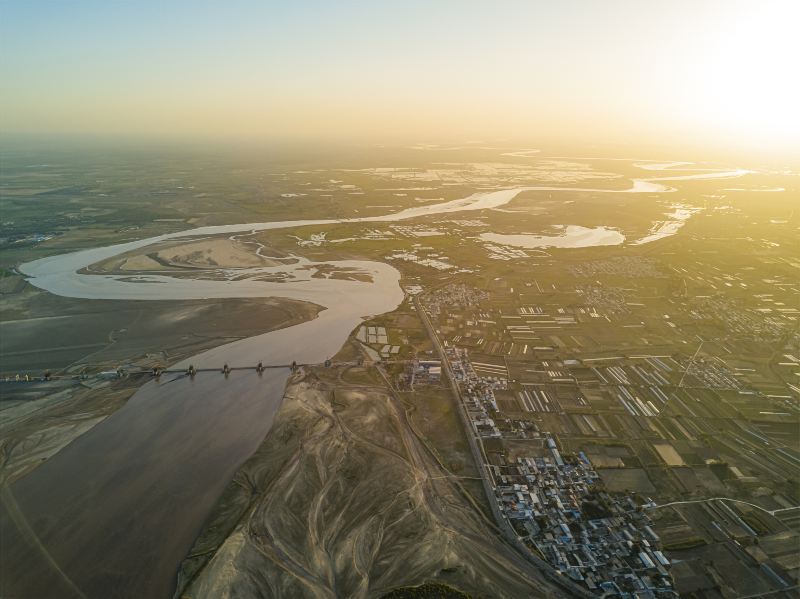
(115, 512)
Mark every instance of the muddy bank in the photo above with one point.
(39, 329)
(38, 419)
(118, 508)
(111, 493)
(32, 431)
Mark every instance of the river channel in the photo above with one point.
(115, 512)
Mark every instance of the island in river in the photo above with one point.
(117, 510)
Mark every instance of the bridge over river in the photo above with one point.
(114, 512)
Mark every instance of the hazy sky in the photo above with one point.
(613, 70)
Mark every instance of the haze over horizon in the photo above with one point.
(684, 74)
(399, 300)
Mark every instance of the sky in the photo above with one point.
(623, 71)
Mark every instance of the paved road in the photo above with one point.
(480, 461)
(690, 501)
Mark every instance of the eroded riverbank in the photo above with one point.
(344, 498)
(118, 509)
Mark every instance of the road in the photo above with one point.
(481, 462)
(690, 501)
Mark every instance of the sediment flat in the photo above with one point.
(343, 499)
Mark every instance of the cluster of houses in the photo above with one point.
(558, 506)
(420, 372)
(444, 300)
(602, 541)
(477, 392)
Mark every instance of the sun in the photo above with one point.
(746, 81)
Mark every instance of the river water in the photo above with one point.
(572, 236)
(115, 512)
